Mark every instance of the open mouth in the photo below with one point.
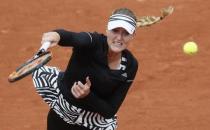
(118, 44)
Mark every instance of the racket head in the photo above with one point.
(29, 66)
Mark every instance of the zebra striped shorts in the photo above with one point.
(45, 82)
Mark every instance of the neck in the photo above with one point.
(114, 60)
(114, 55)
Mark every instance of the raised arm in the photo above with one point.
(73, 39)
(66, 38)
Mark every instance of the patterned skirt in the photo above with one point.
(45, 80)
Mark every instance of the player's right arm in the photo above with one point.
(75, 39)
(67, 39)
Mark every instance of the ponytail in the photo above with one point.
(149, 20)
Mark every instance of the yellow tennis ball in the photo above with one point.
(190, 48)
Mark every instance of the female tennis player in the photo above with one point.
(88, 94)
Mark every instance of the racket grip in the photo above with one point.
(45, 45)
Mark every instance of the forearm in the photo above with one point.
(66, 38)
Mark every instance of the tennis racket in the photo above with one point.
(41, 58)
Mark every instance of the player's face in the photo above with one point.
(118, 39)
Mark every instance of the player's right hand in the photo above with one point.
(52, 37)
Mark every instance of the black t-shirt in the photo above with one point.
(89, 58)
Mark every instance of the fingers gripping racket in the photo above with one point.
(41, 58)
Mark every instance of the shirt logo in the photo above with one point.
(125, 75)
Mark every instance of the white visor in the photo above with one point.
(122, 21)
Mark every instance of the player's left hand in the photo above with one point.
(80, 90)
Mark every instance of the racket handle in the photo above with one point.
(39, 53)
(45, 45)
(43, 48)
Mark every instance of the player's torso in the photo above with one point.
(94, 64)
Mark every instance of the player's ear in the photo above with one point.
(133, 35)
(107, 31)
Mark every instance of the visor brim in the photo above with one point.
(123, 24)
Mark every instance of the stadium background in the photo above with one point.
(171, 90)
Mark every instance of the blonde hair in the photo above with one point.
(125, 11)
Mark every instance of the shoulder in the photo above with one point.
(99, 40)
(97, 37)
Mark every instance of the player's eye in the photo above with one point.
(120, 31)
(125, 33)
(116, 30)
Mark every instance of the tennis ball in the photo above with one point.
(190, 48)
